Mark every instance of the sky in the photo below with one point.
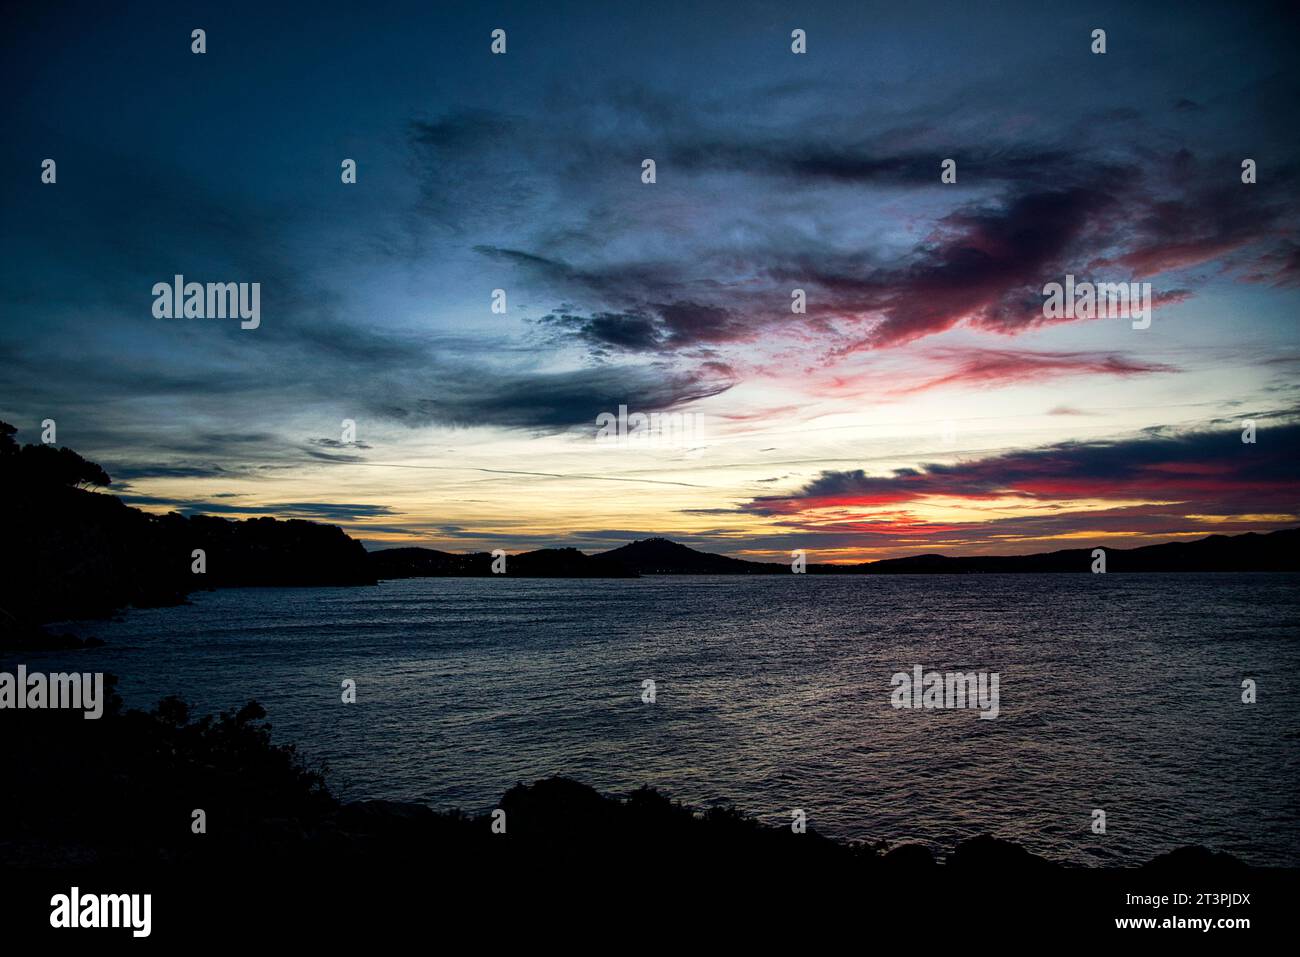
(923, 401)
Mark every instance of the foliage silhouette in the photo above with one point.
(68, 552)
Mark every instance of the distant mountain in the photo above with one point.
(543, 563)
(660, 556)
(1252, 552)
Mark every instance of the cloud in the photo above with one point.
(1039, 213)
(1210, 472)
(610, 330)
(1002, 366)
(621, 293)
(313, 511)
(546, 401)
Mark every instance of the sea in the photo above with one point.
(1119, 693)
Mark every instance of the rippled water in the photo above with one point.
(1119, 692)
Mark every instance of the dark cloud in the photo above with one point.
(130, 473)
(550, 401)
(611, 330)
(315, 511)
(1052, 212)
(1210, 472)
(337, 444)
(1030, 208)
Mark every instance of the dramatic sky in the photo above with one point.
(922, 403)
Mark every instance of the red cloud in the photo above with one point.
(988, 366)
(1210, 473)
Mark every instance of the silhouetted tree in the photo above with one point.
(46, 465)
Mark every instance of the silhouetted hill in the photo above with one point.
(1252, 552)
(660, 556)
(542, 563)
(565, 563)
(69, 552)
(423, 563)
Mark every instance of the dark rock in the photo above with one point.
(910, 857)
(988, 854)
(1194, 859)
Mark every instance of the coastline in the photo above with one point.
(566, 853)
